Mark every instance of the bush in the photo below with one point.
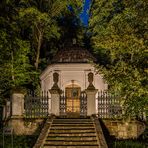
(128, 144)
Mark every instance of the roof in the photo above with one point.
(74, 54)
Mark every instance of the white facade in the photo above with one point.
(69, 73)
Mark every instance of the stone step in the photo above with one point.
(71, 138)
(71, 143)
(79, 140)
(80, 123)
(72, 128)
(72, 120)
(71, 131)
(72, 134)
(72, 124)
(76, 146)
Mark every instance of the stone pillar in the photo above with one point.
(55, 95)
(91, 101)
(55, 102)
(17, 104)
(91, 96)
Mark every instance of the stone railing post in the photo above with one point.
(55, 102)
(91, 96)
(17, 104)
(91, 101)
(55, 95)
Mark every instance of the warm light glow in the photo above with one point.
(73, 98)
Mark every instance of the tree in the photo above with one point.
(27, 28)
(71, 28)
(15, 67)
(38, 17)
(119, 32)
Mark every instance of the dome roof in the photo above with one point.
(73, 55)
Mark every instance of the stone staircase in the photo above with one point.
(72, 133)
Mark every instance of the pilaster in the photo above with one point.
(17, 104)
(91, 101)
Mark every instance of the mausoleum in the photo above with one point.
(70, 72)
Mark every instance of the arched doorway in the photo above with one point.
(72, 93)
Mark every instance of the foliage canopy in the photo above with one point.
(29, 32)
(119, 33)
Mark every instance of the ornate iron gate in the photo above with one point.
(73, 100)
(82, 107)
(109, 105)
(36, 106)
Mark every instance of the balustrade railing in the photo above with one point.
(109, 105)
(36, 106)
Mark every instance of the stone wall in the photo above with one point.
(23, 126)
(124, 129)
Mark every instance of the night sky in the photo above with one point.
(84, 15)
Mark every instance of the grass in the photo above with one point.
(128, 144)
(18, 141)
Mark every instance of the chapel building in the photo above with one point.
(70, 72)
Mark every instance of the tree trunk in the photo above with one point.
(12, 66)
(39, 43)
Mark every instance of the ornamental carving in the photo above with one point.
(55, 80)
(90, 80)
(55, 77)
